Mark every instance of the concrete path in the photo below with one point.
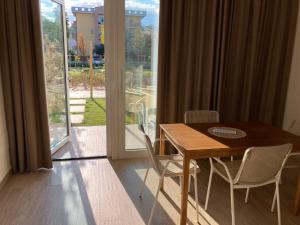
(86, 94)
(77, 101)
(77, 109)
(76, 118)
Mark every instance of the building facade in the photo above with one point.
(89, 24)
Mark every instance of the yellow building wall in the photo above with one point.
(101, 28)
(86, 27)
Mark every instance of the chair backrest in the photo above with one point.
(141, 128)
(149, 147)
(295, 127)
(261, 164)
(201, 116)
(150, 151)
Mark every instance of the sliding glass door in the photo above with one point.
(131, 73)
(131, 46)
(53, 30)
(141, 44)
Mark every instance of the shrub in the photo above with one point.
(79, 77)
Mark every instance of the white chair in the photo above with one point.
(142, 129)
(201, 116)
(167, 166)
(260, 166)
(294, 129)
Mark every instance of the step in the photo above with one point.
(77, 118)
(77, 108)
(77, 102)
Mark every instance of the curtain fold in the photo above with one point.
(228, 55)
(186, 52)
(23, 82)
(255, 74)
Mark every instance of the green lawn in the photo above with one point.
(95, 113)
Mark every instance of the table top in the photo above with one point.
(195, 140)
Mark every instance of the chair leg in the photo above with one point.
(196, 193)
(190, 183)
(280, 180)
(144, 183)
(232, 204)
(247, 195)
(274, 201)
(155, 201)
(278, 203)
(162, 185)
(208, 188)
(180, 183)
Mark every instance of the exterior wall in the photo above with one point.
(85, 26)
(292, 110)
(133, 21)
(92, 28)
(4, 154)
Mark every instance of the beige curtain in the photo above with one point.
(228, 55)
(186, 57)
(23, 82)
(257, 57)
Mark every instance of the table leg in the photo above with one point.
(297, 199)
(162, 142)
(185, 189)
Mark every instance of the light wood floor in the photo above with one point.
(106, 193)
(90, 141)
(87, 141)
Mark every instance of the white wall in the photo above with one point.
(4, 155)
(292, 109)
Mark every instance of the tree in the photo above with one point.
(135, 40)
(138, 40)
(148, 45)
(136, 46)
(67, 25)
(91, 71)
(82, 50)
(51, 29)
(54, 72)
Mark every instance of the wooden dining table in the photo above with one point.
(194, 141)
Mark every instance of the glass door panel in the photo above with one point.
(55, 70)
(141, 46)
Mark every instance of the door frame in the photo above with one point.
(114, 13)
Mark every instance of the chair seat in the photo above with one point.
(233, 167)
(174, 169)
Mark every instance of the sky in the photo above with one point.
(151, 6)
(48, 9)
